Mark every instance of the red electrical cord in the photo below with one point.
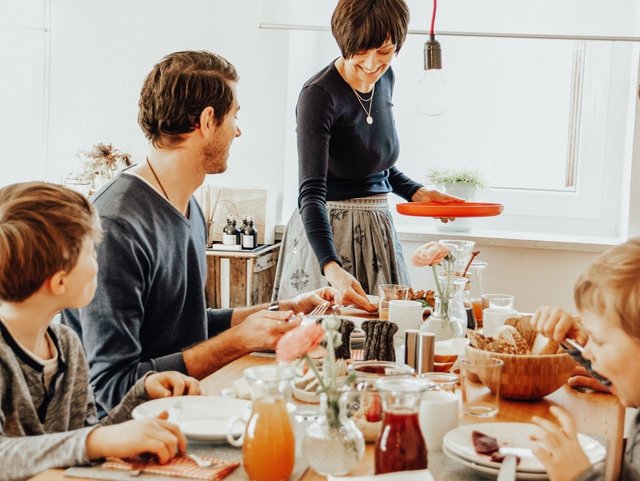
(433, 20)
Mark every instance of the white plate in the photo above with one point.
(513, 438)
(492, 471)
(202, 418)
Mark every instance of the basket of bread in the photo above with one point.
(534, 365)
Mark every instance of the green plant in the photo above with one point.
(468, 177)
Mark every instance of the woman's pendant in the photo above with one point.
(369, 119)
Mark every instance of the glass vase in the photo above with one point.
(332, 444)
(440, 321)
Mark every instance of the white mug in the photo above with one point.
(406, 314)
(494, 317)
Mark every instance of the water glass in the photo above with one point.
(480, 383)
(390, 292)
(499, 301)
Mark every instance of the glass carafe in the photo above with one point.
(440, 322)
(268, 450)
(400, 445)
(475, 289)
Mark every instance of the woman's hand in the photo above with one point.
(170, 383)
(557, 446)
(558, 324)
(150, 435)
(350, 290)
(425, 195)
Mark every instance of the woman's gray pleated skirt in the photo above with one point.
(365, 240)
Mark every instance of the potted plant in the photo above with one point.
(98, 166)
(465, 183)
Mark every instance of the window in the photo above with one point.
(548, 120)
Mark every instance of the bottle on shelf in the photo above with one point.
(249, 234)
(231, 233)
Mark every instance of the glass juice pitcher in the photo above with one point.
(268, 450)
(400, 445)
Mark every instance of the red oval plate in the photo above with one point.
(463, 209)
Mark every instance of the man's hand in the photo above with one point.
(150, 435)
(170, 383)
(307, 301)
(262, 330)
(557, 324)
(350, 290)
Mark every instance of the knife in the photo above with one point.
(575, 351)
(507, 469)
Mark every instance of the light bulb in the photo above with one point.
(431, 94)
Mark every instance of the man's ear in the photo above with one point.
(56, 284)
(207, 120)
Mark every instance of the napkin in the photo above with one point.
(179, 467)
(422, 475)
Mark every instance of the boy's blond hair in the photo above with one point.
(611, 284)
(42, 230)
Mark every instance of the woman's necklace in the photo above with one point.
(370, 100)
(158, 180)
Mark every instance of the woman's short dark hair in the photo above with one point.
(359, 25)
(178, 89)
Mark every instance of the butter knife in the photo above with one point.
(507, 469)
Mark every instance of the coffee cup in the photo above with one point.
(406, 314)
(494, 317)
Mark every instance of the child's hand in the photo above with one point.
(149, 435)
(557, 446)
(170, 383)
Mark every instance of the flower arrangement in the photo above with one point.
(299, 342)
(466, 177)
(432, 254)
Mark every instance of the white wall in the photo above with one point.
(101, 51)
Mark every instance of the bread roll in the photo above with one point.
(544, 345)
(524, 327)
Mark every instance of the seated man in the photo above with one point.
(149, 311)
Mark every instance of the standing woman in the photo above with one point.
(347, 148)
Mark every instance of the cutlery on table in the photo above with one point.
(507, 469)
(575, 350)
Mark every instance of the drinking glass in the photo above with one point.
(438, 408)
(480, 383)
(461, 250)
(389, 292)
(500, 301)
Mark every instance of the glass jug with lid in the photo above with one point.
(400, 445)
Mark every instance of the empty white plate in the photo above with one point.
(202, 418)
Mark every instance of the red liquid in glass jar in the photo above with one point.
(400, 446)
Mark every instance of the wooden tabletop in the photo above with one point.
(596, 414)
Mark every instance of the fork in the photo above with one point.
(315, 315)
(174, 415)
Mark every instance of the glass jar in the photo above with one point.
(269, 434)
(365, 405)
(332, 444)
(400, 445)
(440, 322)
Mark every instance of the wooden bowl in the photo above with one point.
(528, 377)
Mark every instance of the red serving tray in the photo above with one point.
(462, 209)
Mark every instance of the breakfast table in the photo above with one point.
(598, 415)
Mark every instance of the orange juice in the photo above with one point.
(268, 449)
(477, 310)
